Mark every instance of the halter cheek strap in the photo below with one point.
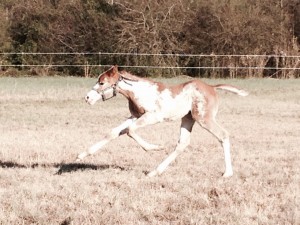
(111, 91)
(108, 93)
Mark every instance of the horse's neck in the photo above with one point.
(133, 86)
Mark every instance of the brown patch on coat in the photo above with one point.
(135, 109)
(177, 89)
(160, 86)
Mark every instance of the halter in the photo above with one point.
(111, 91)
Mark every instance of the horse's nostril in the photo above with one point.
(87, 98)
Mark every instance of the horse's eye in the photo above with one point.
(101, 83)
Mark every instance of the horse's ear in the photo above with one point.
(115, 69)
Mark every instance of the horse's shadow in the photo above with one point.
(62, 167)
(10, 164)
(73, 167)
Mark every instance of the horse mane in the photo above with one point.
(134, 77)
(161, 86)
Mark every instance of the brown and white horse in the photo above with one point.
(152, 102)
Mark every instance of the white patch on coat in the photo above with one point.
(200, 103)
(165, 104)
(175, 107)
(146, 93)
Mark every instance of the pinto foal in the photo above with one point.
(152, 102)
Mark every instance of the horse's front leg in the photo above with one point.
(146, 119)
(187, 124)
(116, 132)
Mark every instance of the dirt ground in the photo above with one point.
(45, 123)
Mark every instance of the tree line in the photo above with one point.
(176, 27)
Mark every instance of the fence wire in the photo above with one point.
(277, 65)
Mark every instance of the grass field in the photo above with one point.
(45, 123)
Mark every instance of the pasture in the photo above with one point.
(45, 123)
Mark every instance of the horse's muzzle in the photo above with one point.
(92, 97)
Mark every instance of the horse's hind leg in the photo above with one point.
(204, 112)
(222, 135)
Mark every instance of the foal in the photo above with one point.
(153, 102)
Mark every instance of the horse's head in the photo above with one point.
(105, 87)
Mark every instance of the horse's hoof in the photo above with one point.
(152, 173)
(228, 174)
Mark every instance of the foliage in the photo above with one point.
(147, 26)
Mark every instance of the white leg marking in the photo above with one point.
(146, 119)
(116, 132)
(144, 144)
(228, 166)
(213, 127)
(184, 141)
(163, 165)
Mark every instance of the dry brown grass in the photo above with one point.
(44, 124)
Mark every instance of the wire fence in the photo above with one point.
(145, 54)
(163, 64)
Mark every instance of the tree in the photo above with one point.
(154, 26)
(151, 26)
(240, 27)
(61, 26)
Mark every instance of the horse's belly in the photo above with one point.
(176, 110)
